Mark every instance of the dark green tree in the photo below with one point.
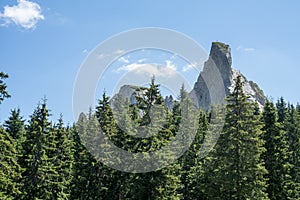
(63, 159)
(281, 110)
(15, 126)
(276, 155)
(154, 121)
(88, 178)
(292, 127)
(10, 170)
(236, 169)
(40, 175)
(3, 92)
(192, 163)
(147, 98)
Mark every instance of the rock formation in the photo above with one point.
(214, 83)
(219, 68)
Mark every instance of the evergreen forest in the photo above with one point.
(257, 155)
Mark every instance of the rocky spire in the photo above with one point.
(217, 78)
(220, 54)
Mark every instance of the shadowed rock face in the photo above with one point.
(130, 92)
(217, 74)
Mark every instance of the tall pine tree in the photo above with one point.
(236, 169)
(292, 127)
(276, 155)
(40, 175)
(10, 170)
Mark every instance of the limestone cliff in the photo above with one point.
(219, 67)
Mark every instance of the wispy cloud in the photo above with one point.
(119, 51)
(25, 14)
(246, 49)
(85, 51)
(249, 49)
(167, 70)
(189, 67)
(142, 60)
(116, 52)
(174, 56)
(123, 60)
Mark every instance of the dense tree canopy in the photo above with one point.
(256, 157)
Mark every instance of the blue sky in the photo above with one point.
(43, 43)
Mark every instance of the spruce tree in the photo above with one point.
(236, 169)
(281, 110)
(292, 127)
(192, 163)
(276, 155)
(15, 125)
(64, 159)
(87, 182)
(3, 92)
(153, 120)
(10, 170)
(40, 175)
(147, 98)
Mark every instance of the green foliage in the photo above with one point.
(46, 158)
(3, 92)
(86, 183)
(276, 155)
(256, 157)
(236, 170)
(292, 128)
(15, 125)
(10, 170)
(63, 159)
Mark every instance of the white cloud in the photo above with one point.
(119, 51)
(189, 67)
(105, 55)
(25, 14)
(123, 60)
(249, 49)
(85, 51)
(174, 56)
(246, 49)
(142, 60)
(157, 70)
(101, 56)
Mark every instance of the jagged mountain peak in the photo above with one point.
(221, 52)
(220, 59)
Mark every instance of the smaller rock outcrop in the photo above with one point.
(169, 102)
(130, 92)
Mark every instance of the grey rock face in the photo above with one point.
(217, 74)
(130, 92)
